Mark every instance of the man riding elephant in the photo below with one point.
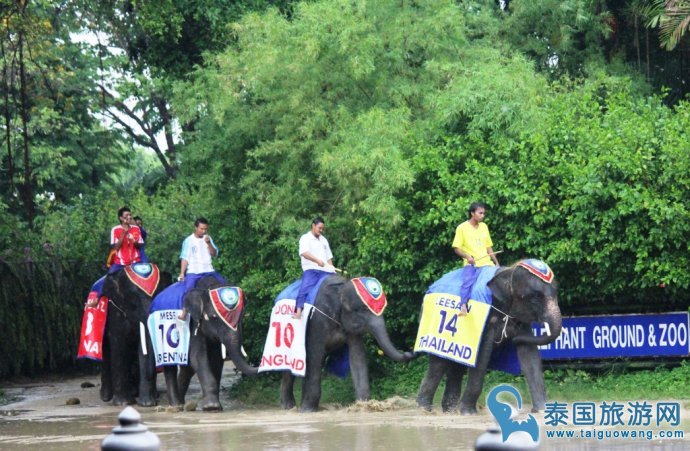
(196, 260)
(317, 261)
(125, 241)
(473, 244)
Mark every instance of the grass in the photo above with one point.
(617, 383)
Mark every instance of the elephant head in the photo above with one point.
(528, 298)
(359, 316)
(127, 298)
(212, 325)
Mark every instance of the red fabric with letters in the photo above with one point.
(92, 328)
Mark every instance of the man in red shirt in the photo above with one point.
(126, 240)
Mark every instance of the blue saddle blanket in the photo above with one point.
(451, 282)
(169, 299)
(291, 291)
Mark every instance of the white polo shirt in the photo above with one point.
(196, 252)
(318, 247)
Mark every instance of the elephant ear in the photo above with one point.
(111, 288)
(500, 286)
(194, 304)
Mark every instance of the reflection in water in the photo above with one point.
(398, 430)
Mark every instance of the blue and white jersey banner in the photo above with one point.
(170, 337)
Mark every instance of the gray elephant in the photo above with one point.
(123, 357)
(527, 299)
(208, 331)
(342, 319)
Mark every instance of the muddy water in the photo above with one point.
(40, 419)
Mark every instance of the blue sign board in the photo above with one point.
(596, 337)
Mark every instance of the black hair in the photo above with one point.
(317, 220)
(122, 211)
(200, 220)
(475, 205)
(137, 218)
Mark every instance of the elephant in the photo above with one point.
(208, 332)
(342, 319)
(526, 299)
(125, 370)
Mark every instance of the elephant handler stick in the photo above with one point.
(340, 270)
(488, 255)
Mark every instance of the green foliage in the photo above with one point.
(621, 384)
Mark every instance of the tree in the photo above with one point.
(673, 19)
(53, 146)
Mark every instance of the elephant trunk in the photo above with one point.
(378, 330)
(234, 347)
(553, 322)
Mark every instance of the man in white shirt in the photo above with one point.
(317, 261)
(198, 250)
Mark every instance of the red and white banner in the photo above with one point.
(284, 349)
(92, 328)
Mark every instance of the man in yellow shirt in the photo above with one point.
(473, 244)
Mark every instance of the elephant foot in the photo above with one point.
(146, 401)
(424, 404)
(468, 410)
(106, 394)
(309, 409)
(288, 404)
(210, 405)
(123, 401)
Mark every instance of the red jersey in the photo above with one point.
(128, 253)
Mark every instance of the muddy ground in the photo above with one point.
(40, 418)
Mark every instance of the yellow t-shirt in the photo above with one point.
(474, 241)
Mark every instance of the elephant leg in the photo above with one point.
(530, 363)
(216, 361)
(287, 395)
(427, 389)
(121, 359)
(199, 356)
(147, 378)
(358, 368)
(170, 372)
(451, 395)
(475, 376)
(183, 380)
(311, 387)
(106, 391)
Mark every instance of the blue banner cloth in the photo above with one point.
(291, 291)
(170, 298)
(451, 282)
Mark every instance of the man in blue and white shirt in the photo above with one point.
(198, 250)
(317, 261)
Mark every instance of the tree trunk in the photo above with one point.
(28, 172)
(8, 120)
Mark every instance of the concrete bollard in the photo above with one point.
(131, 434)
(492, 440)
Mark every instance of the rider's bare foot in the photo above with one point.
(297, 314)
(463, 310)
(183, 315)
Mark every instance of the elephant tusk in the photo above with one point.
(142, 338)
(244, 353)
(548, 329)
(223, 351)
